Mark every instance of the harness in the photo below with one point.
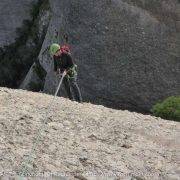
(72, 72)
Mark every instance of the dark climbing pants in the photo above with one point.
(72, 88)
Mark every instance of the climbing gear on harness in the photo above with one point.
(54, 48)
(30, 157)
(72, 72)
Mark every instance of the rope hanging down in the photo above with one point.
(29, 160)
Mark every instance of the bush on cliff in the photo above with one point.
(168, 109)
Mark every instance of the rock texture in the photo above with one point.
(34, 77)
(12, 14)
(127, 51)
(85, 141)
(17, 57)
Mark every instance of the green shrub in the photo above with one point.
(35, 86)
(35, 9)
(39, 70)
(168, 109)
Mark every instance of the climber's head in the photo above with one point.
(54, 49)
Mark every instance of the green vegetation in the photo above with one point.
(17, 58)
(37, 85)
(34, 86)
(35, 9)
(168, 109)
(39, 70)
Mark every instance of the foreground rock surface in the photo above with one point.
(127, 51)
(85, 141)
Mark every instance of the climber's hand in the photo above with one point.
(64, 73)
(57, 72)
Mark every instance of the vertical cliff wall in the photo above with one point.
(127, 51)
(128, 55)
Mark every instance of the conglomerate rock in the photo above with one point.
(84, 141)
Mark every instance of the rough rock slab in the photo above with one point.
(85, 141)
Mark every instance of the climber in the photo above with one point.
(63, 62)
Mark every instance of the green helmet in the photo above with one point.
(54, 48)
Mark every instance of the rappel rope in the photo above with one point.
(29, 160)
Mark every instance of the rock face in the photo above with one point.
(12, 14)
(18, 55)
(127, 51)
(84, 141)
